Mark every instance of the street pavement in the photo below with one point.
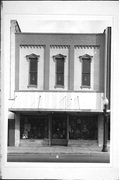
(60, 157)
(87, 152)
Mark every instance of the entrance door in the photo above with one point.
(59, 130)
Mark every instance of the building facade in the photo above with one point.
(58, 83)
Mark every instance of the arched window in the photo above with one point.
(86, 70)
(33, 69)
(59, 76)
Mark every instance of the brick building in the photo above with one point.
(58, 83)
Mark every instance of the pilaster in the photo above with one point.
(46, 67)
(100, 129)
(17, 129)
(71, 69)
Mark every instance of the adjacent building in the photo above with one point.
(58, 83)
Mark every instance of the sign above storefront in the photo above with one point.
(61, 101)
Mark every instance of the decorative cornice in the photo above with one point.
(58, 56)
(87, 46)
(32, 46)
(85, 56)
(32, 56)
(59, 46)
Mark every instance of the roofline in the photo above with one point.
(15, 21)
(18, 26)
(33, 33)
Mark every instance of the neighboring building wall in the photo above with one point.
(108, 66)
(0, 90)
(0, 98)
(13, 29)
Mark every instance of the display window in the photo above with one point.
(83, 127)
(34, 127)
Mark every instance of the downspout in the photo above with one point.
(107, 65)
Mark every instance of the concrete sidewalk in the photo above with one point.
(80, 151)
(84, 146)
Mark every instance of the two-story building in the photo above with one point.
(58, 83)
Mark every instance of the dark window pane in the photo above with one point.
(60, 65)
(33, 65)
(60, 79)
(33, 78)
(60, 71)
(86, 79)
(86, 66)
(33, 71)
(86, 72)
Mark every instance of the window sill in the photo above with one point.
(32, 86)
(59, 86)
(85, 87)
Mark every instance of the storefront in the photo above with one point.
(57, 128)
(56, 118)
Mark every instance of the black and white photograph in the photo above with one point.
(58, 90)
(59, 103)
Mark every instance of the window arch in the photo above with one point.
(33, 69)
(59, 72)
(86, 70)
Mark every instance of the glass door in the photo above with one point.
(59, 130)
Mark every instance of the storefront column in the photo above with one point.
(17, 129)
(100, 129)
(50, 128)
(67, 129)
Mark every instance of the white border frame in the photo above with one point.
(66, 170)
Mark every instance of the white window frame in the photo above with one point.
(29, 57)
(55, 58)
(85, 56)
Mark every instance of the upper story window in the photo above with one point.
(86, 71)
(33, 69)
(59, 73)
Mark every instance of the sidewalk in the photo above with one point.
(81, 146)
(79, 151)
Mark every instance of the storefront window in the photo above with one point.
(34, 127)
(83, 127)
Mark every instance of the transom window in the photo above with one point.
(33, 69)
(86, 70)
(59, 79)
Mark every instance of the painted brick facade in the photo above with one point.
(46, 100)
